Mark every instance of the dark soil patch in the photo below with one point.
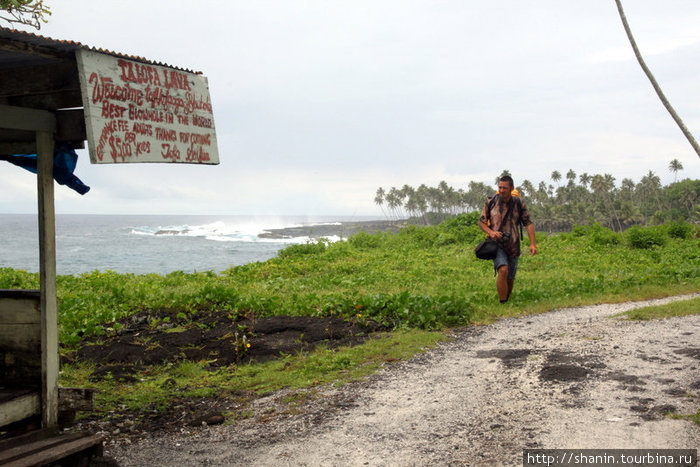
(150, 338)
(566, 367)
(511, 358)
(155, 338)
(693, 352)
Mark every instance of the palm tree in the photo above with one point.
(394, 202)
(603, 186)
(421, 196)
(477, 194)
(656, 86)
(674, 167)
(379, 200)
(584, 179)
(651, 184)
(556, 176)
(528, 188)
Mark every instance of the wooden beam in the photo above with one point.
(8, 149)
(39, 80)
(53, 101)
(21, 118)
(33, 49)
(70, 125)
(47, 278)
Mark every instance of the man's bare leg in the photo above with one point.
(502, 284)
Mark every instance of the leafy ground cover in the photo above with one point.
(422, 277)
(153, 342)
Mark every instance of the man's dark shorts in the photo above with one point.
(503, 259)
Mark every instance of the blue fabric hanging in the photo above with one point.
(65, 160)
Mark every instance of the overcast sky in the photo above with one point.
(319, 103)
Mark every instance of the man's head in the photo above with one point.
(505, 186)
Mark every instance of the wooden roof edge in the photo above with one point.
(33, 44)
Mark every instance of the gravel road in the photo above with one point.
(571, 378)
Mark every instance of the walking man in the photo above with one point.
(500, 219)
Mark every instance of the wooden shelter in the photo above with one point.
(44, 101)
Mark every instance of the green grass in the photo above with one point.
(670, 310)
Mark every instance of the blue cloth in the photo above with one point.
(64, 161)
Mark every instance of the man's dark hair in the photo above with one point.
(507, 178)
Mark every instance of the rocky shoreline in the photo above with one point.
(339, 229)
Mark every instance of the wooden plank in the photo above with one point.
(21, 369)
(20, 337)
(18, 311)
(37, 451)
(31, 294)
(51, 102)
(17, 148)
(8, 394)
(91, 445)
(47, 279)
(17, 137)
(26, 48)
(20, 408)
(26, 438)
(41, 80)
(21, 118)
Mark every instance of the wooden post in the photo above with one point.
(47, 259)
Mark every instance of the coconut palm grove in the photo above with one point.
(560, 203)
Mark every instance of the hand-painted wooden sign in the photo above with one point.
(138, 112)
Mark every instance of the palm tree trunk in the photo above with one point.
(656, 86)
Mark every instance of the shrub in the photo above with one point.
(646, 237)
(364, 240)
(597, 234)
(603, 236)
(679, 229)
(424, 236)
(463, 228)
(309, 248)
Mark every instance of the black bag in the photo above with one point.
(486, 249)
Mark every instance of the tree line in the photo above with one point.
(559, 203)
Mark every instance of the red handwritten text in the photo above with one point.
(138, 73)
(203, 122)
(103, 89)
(170, 152)
(197, 154)
(175, 79)
(166, 135)
(194, 103)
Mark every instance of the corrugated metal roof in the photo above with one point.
(27, 55)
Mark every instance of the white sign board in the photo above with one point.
(138, 112)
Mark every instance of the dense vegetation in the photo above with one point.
(422, 277)
(560, 205)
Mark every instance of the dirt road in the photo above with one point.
(572, 378)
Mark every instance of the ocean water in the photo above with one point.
(142, 244)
